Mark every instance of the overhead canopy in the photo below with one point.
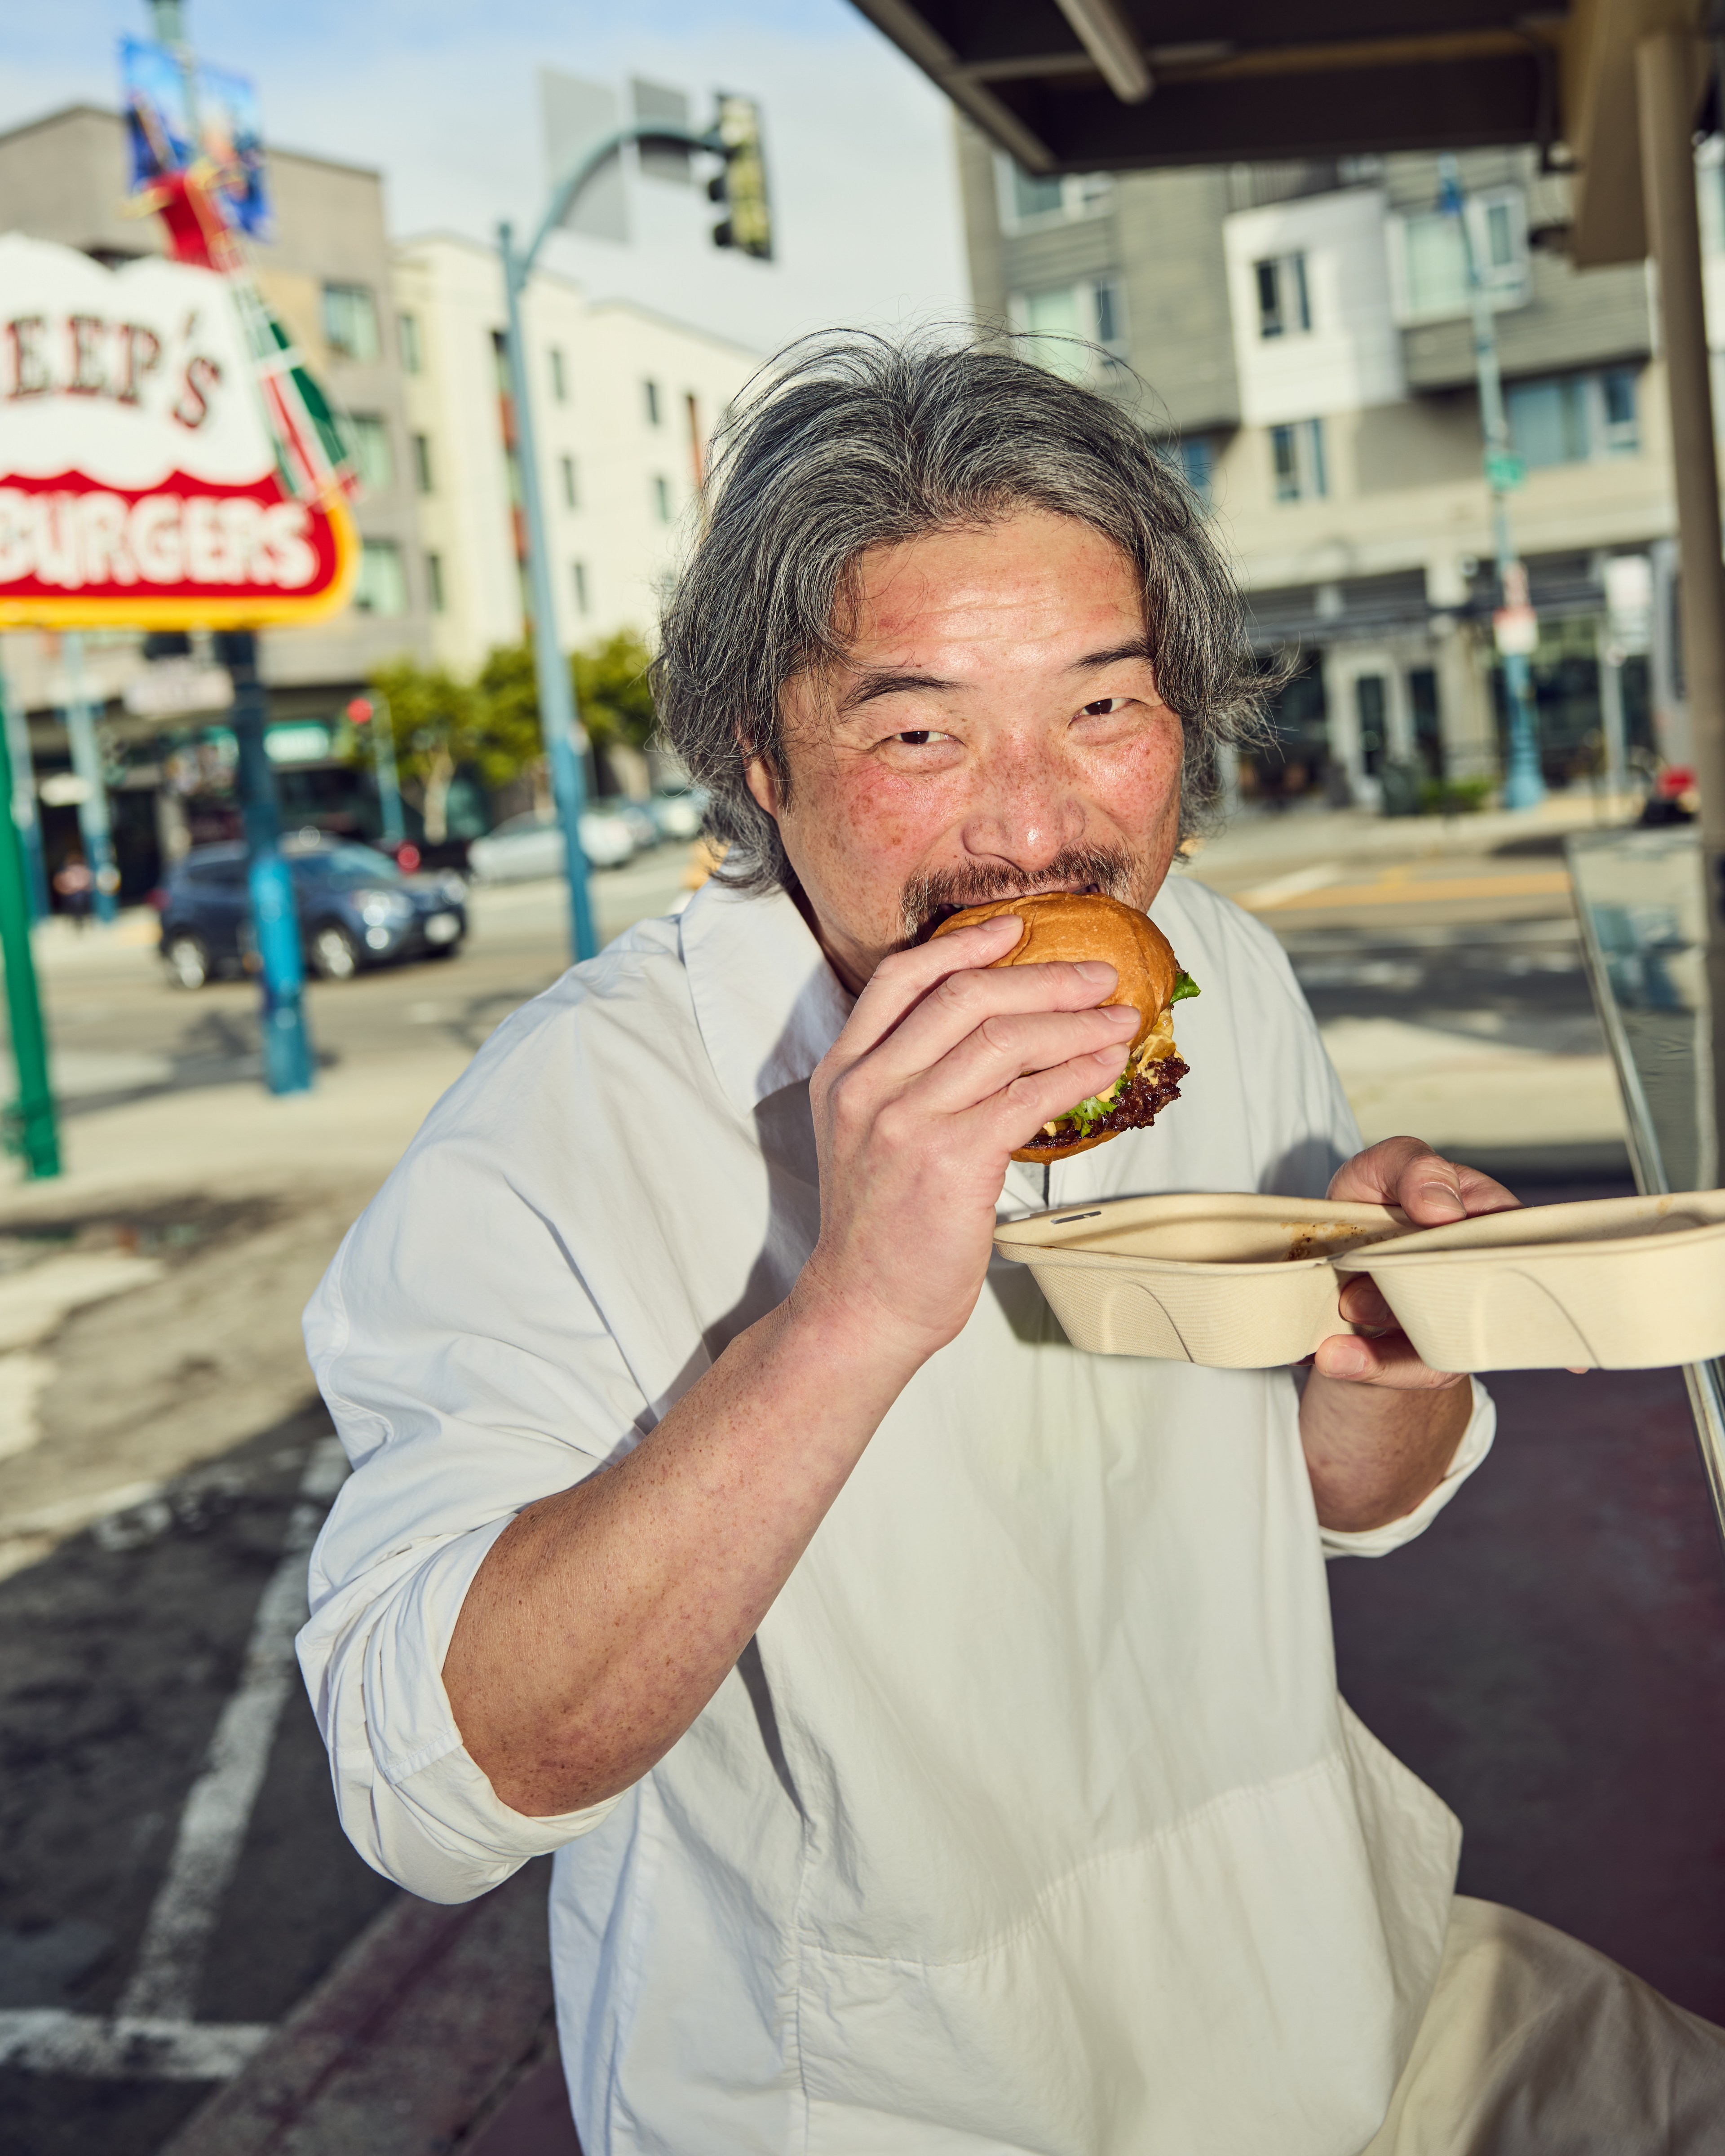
(1120, 86)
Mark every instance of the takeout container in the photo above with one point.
(1244, 1282)
(1239, 1282)
(1610, 1284)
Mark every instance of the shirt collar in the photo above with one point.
(768, 1004)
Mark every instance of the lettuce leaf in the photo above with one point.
(1185, 986)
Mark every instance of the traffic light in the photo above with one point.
(740, 186)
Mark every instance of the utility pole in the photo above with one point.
(1516, 624)
(735, 139)
(23, 799)
(32, 1127)
(288, 1065)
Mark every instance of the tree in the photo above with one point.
(441, 724)
(613, 692)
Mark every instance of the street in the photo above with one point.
(175, 1879)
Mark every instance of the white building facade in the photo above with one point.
(625, 403)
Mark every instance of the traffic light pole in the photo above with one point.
(1524, 784)
(34, 1131)
(275, 915)
(559, 720)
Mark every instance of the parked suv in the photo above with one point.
(356, 909)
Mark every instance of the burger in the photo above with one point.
(1071, 926)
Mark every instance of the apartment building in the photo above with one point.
(327, 274)
(1304, 332)
(624, 403)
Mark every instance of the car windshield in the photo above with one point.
(349, 868)
(515, 827)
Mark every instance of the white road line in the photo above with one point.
(45, 2039)
(1289, 886)
(182, 1918)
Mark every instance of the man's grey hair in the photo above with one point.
(849, 441)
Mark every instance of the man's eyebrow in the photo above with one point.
(1138, 649)
(868, 686)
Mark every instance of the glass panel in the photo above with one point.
(381, 585)
(1536, 414)
(1034, 198)
(1617, 392)
(1270, 324)
(1052, 318)
(1285, 458)
(1316, 478)
(1295, 272)
(434, 581)
(1198, 463)
(367, 438)
(1370, 699)
(1500, 236)
(1107, 301)
(1436, 264)
(410, 358)
(350, 321)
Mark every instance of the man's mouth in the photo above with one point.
(948, 908)
(1090, 872)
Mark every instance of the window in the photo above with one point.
(1029, 200)
(1573, 419)
(350, 321)
(649, 390)
(367, 435)
(434, 581)
(662, 500)
(1297, 453)
(1428, 258)
(408, 332)
(422, 464)
(559, 387)
(1370, 704)
(1195, 454)
(1058, 322)
(578, 577)
(1284, 304)
(381, 585)
(572, 497)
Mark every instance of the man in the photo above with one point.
(936, 1726)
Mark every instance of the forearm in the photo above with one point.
(1374, 1452)
(605, 1618)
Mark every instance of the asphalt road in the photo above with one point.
(125, 1647)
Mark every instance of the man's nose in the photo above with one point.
(1025, 812)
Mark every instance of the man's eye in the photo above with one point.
(1102, 707)
(920, 737)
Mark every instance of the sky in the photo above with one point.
(443, 96)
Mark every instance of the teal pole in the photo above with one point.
(31, 1128)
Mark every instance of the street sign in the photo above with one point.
(1505, 471)
(141, 481)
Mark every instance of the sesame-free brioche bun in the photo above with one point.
(1070, 926)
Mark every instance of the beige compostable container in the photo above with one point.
(1240, 1282)
(1244, 1282)
(1610, 1284)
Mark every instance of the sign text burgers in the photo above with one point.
(139, 480)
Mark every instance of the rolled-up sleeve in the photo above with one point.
(1476, 1442)
(462, 1393)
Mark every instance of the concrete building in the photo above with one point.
(1304, 332)
(327, 274)
(625, 402)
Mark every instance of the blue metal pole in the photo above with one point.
(557, 718)
(288, 1064)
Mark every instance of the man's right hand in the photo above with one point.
(948, 1065)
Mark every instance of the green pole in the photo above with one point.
(32, 1130)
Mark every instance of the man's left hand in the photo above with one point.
(1432, 1192)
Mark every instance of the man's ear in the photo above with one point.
(763, 785)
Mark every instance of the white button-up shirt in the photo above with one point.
(1031, 1819)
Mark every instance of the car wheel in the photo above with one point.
(335, 955)
(443, 950)
(188, 959)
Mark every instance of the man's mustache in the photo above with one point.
(929, 900)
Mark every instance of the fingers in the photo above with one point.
(1003, 1049)
(1388, 1359)
(1430, 1190)
(957, 1005)
(1015, 1114)
(901, 981)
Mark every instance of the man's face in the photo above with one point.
(995, 730)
